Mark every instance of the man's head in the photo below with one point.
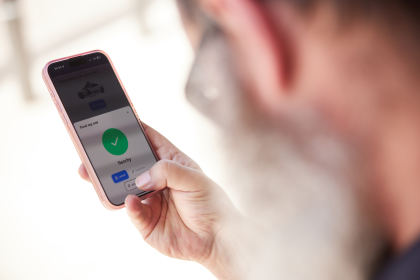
(326, 76)
(316, 51)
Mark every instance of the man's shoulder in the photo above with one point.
(405, 266)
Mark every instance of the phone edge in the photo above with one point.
(73, 135)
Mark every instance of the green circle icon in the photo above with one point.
(115, 142)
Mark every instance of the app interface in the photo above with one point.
(105, 123)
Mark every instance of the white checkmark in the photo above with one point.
(114, 143)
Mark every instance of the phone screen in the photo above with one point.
(104, 121)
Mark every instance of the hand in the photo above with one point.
(185, 217)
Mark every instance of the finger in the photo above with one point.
(83, 173)
(166, 173)
(143, 214)
(165, 149)
(157, 139)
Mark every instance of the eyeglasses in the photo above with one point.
(191, 11)
(211, 81)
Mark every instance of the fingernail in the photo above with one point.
(144, 181)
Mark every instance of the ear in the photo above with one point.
(261, 50)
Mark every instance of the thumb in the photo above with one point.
(166, 173)
(144, 213)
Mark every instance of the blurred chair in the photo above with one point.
(20, 61)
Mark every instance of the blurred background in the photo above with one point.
(52, 225)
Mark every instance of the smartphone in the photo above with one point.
(102, 123)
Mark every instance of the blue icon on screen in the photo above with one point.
(119, 176)
(97, 105)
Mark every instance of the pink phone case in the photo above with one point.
(76, 141)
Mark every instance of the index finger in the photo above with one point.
(165, 149)
(83, 173)
(157, 140)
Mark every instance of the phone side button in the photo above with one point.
(60, 112)
(102, 196)
(63, 117)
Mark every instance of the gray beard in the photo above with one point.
(301, 189)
